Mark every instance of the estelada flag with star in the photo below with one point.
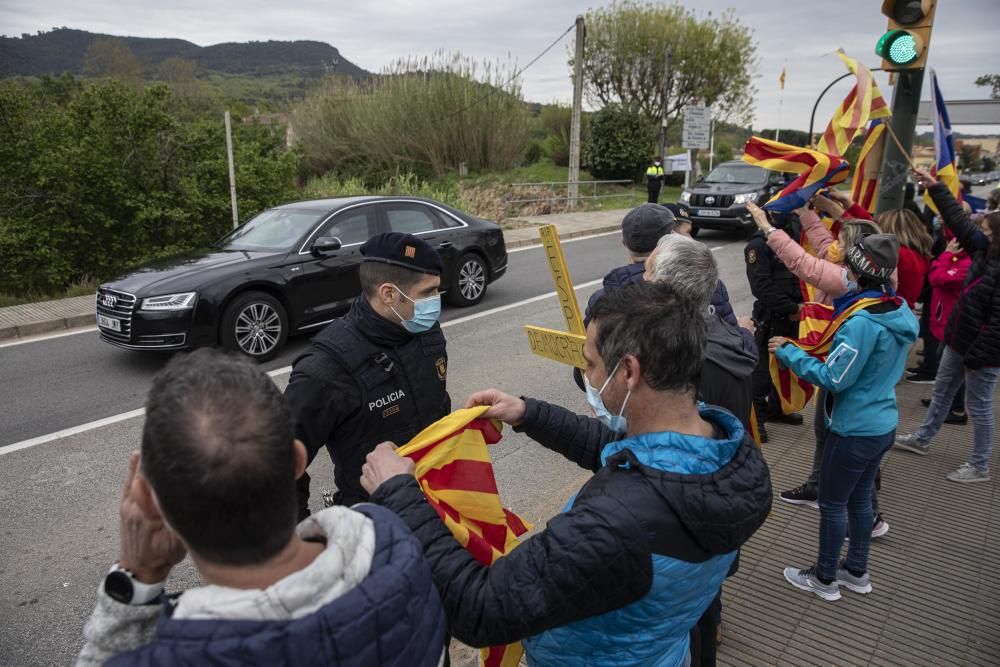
(453, 467)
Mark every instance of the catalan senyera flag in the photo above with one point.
(945, 158)
(816, 170)
(453, 466)
(864, 187)
(816, 331)
(862, 103)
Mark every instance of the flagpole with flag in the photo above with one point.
(864, 102)
(781, 101)
(945, 167)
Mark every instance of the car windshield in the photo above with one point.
(276, 229)
(737, 173)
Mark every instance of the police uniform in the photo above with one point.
(366, 379)
(778, 296)
(654, 179)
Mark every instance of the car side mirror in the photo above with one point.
(325, 244)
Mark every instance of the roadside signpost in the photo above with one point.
(697, 132)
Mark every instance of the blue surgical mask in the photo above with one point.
(425, 313)
(852, 285)
(617, 422)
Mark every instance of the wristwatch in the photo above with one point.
(122, 586)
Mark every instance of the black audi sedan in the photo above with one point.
(289, 270)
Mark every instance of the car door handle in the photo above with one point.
(446, 244)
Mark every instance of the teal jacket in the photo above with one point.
(867, 358)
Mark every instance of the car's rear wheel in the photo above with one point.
(255, 324)
(468, 283)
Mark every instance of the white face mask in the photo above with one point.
(617, 422)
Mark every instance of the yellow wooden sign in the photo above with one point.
(560, 276)
(566, 348)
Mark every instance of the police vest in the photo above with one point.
(654, 173)
(402, 390)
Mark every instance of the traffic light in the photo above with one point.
(908, 35)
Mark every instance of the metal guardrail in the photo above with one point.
(554, 198)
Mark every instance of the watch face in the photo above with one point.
(118, 586)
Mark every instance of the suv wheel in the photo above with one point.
(256, 325)
(468, 284)
(694, 229)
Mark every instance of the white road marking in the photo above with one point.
(39, 338)
(114, 419)
(538, 245)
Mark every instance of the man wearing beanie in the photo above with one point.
(873, 333)
(378, 373)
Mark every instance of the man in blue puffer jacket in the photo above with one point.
(622, 576)
(217, 480)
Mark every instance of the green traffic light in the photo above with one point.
(898, 47)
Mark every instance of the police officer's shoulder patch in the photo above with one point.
(442, 368)
(751, 256)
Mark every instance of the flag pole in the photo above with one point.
(899, 145)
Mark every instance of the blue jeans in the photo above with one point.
(979, 387)
(846, 482)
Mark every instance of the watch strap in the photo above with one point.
(121, 585)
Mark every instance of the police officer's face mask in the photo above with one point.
(425, 313)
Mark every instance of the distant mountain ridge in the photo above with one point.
(63, 49)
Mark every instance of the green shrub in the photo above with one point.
(620, 143)
(107, 177)
(421, 116)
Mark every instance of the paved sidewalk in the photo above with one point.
(35, 318)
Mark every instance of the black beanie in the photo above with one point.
(874, 256)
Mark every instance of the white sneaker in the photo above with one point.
(911, 443)
(969, 473)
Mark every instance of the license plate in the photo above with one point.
(109, 323)
(709, 213)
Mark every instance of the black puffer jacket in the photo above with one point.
(600, 555)
(974, 325)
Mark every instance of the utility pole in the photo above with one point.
(663, 105)
(895, 165)
(232, 172)
(573, 186)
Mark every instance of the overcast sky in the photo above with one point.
(801, 36)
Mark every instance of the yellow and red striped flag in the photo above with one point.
(453, 466)
(864, 102)
(816, 331)
(864, 187)
(816, 170)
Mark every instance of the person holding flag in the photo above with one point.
(971, 338)
(872, 331)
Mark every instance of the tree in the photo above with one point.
(711, 60)
(111, 58)
(968, 156)
(620, 143)
(993, 81)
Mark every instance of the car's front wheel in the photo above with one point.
(468, 283)
(695, 229)
(255, 324)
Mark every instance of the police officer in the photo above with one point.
(378, 373)
(776, 312)
(654, 180)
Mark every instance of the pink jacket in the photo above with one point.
(829, 279)
(946, 277)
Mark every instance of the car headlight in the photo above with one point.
(169, 301)
(745, 198)
(686, 197)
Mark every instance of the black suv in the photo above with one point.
(719, 201)
(289, 270)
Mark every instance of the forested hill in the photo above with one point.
(63, 50)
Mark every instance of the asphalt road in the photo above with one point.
(58, 500)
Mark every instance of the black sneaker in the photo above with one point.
(915, 369)
(920, 377)
(794, 418)
(926, 402)
(801, 495)
(957, 418)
